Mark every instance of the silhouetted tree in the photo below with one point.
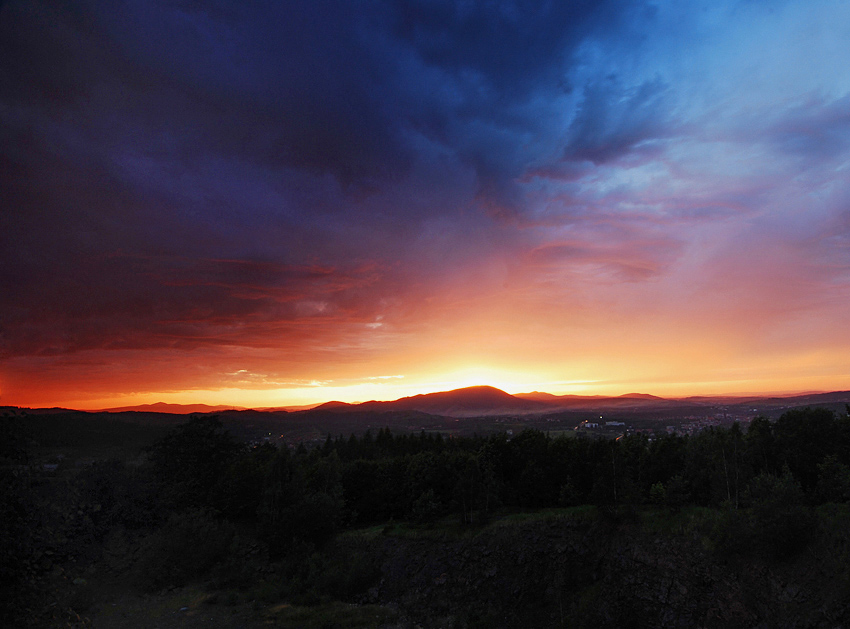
(805, 436)
(189, 462)
(833, 481)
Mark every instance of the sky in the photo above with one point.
(276, 203)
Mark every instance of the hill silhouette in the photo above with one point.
(640, 396)
(628, 400)
(332, 406)
(468, 401)
(174, 409)
(490, 401)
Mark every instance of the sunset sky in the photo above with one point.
(273, 203)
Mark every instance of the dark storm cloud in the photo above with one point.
(339, 87)
(505, 66)
(512, 45)
(325, 87)
(289, 85)
(254, 132)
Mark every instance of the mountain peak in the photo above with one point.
(466, 401)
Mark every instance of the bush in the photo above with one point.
(676, 493)
(426, 508)
(781, 521)
(658, 494)
(189, 463)
(732, 533)
(303, 502)
(114, 495)
(833, 481)
(777, 523)
(184, 549)
(342, 575)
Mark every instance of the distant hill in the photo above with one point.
(797, 399)
(541, 396)
(595, 401)
(490, 401)
(287, 409)
(640, 396)
(174, 409)
(466, 402)
(334, 405)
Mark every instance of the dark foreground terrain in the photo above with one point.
(187, 526)
(565, 568)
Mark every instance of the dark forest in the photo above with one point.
(276, 524)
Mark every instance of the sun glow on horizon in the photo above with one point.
(504, 379)
(396, 388)
(392, 383)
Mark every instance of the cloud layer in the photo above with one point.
(619, 191)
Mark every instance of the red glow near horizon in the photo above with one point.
(653, 201)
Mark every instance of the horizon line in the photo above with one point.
(308, 406)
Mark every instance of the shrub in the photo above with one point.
(426, 508)
(189, 463)
(676, 492)
(657, 494)
(781, 521)
(185, 548)
(777, 524)
(833, 481)
(342, 575)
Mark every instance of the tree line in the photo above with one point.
(310, 493)
(200, 483)
(355, 481)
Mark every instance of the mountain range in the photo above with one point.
(177, 409)
(490, 401)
